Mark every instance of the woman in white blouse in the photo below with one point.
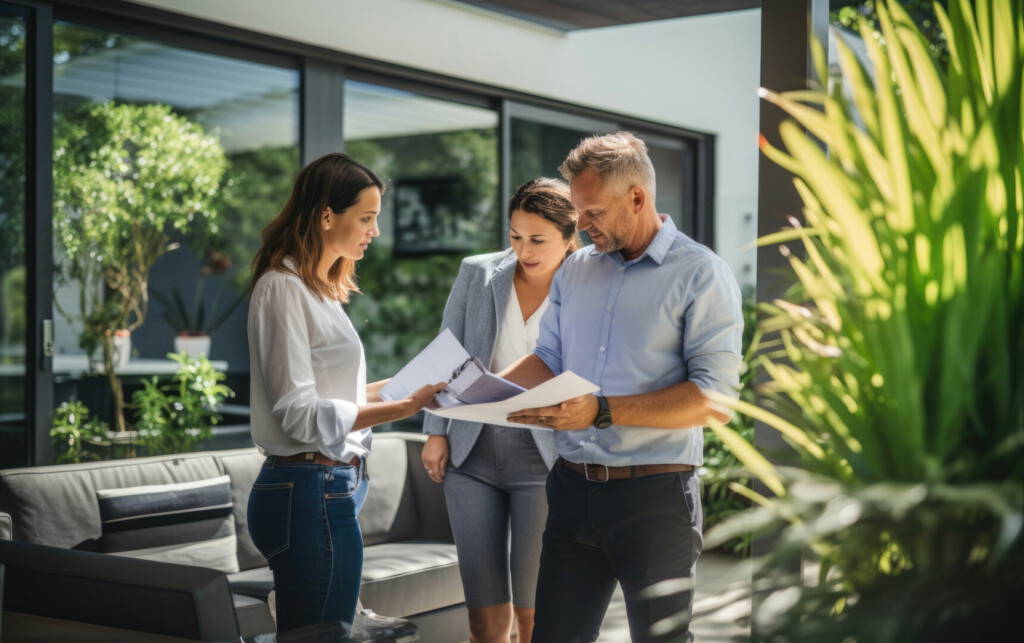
(494, 476)
(311, 407)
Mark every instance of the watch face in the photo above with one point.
(604, 420)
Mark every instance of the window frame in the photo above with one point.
(323, 72)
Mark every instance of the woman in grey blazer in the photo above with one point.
(494, 477)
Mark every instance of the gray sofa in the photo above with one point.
(410, 566)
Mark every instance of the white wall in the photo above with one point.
(699, 72)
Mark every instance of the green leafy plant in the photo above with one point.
(174, 416)
(127, 175)
(197, 319)
(899, 378)
(73, 430)
(721, 466)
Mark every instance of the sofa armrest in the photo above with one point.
(118, 591)
(6, 526)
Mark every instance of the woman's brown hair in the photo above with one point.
(332, 181)
(549, 199)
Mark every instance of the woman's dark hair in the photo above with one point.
(548, 198)
(332, 181)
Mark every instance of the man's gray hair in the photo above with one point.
(620, 158)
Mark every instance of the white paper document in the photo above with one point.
(474, 393)
(554, 391)
(446, 360)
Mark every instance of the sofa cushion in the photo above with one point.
(243, 467)
(388, 513)
(399, 579)
(56, 505)
(188, 523)
(253, 616)
(406, 578)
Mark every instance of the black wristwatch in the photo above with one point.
(603, 420)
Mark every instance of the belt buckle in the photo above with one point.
(586, 473)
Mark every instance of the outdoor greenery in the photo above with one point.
(403, 297)
(171, 416)
(198, 319)
(721, 466)
(899, 378)
(174, 416)
(129, 175)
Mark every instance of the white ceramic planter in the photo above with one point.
(122, 348)
(194, 346)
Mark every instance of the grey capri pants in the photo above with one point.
(497, 505)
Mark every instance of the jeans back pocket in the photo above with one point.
(270, 517)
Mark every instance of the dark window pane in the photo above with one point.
(13, 310)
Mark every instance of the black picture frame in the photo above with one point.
(434, 215)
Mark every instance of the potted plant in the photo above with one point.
(126, 177)
(896, 371)
(171, 416)
(193, 326)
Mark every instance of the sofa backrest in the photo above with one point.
(57, 505)
(403, 503)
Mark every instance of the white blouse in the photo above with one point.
(515, 337)
(307, 372)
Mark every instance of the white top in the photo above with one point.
(307, 372)
(515, 337)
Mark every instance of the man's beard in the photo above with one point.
(609, 244)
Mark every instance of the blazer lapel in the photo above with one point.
(500, 285)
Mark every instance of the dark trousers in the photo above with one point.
(638, 532)
(303, 519)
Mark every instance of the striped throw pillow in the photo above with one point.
(188, 523)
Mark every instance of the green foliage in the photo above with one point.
(899, 379)
(127, 176)
(72, 432)
(197, 320)
(174, 416)
(922, 12)
(721, 466)
(171, 416)
(13, 307)
(400, 309)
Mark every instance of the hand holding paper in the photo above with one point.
(477, 395)
(571, 415)
(563, 388)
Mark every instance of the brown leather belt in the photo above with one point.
(314, 457)
(602, 473)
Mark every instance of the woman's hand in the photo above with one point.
(423, 397)
(435, 457)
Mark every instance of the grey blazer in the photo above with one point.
(475, 306)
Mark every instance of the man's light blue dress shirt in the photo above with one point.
(670, 315)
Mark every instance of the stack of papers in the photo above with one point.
(473, 393)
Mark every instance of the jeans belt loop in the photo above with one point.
(586, 472)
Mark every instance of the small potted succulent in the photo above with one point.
(193, 325)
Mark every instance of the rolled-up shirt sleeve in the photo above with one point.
(549, 342)
(282, 337)
(713, 330)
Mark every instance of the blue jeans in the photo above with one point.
(303, 519)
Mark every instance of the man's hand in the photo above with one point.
(571, 415)
(435, 457)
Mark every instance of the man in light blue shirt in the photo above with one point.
(654, 319)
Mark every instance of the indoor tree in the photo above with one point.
(125, 177)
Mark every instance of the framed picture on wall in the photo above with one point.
(434, 214)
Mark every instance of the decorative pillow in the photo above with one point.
(189, 523)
